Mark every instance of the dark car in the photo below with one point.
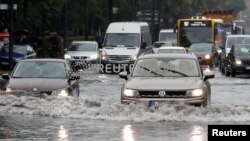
(172, 77)
(237, 60)
(49, 76)
(19, 52)
(207, 55)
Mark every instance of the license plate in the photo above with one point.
(5, 63)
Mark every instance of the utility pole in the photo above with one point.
(11, 34)
(153, 20)
(85, 21)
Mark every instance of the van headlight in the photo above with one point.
(207, 57)
(8, 90)
(61, 93)
(133, 57)
(130, 93)
(238, 61)
(66, 56)
(93, 56)
(195, 93)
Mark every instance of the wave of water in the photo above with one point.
(86, 109)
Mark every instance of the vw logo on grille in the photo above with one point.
(162, 93)
(118, 57)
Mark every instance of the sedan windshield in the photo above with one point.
(83, 47)
(166, 67)
(201, 48)
(40, 69)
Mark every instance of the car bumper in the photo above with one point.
(195, 100)
(243, 69)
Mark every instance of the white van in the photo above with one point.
(124, 42)
(168, 35)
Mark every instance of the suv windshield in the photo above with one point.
(40, 69)
(125, 39)
(166, 67)
(242, 50)
(237, 40)
(82, 47)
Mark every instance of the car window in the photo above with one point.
(40, 69)
(83, 47)
(166, 67)
(16, 49)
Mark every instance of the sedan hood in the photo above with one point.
(121, 50)
(81, 53)
(41, 85)
(164, 83)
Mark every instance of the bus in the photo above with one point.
(200, 30)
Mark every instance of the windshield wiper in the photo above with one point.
(153, 72)
(174, 71)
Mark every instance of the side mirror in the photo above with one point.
(123, 75)
(143, 45)
(74, 77)
(5, 76)
(222, 47)
(208, 74)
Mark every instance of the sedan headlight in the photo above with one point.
(195, 93)
(8, 90)
(93, 56)
(130, 92)
(207, 57)
(238, 61)
(66, 56)
(61, 93)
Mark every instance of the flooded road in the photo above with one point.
(98, 115)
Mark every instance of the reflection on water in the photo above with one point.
(197, 133)
(128, 133)
(63, 134)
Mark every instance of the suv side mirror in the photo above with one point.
(123, 75)
(5, 76)
(74, 77)
(222, 47)
(208, 74)
(143, 45)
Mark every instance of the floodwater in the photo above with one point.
(98, 115)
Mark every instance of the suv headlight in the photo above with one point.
(130, 93)
(66, 56)
(238, 61)
(195, 93)
(207, 57)
(61, 93)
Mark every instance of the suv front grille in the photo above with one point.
(118, 57)
(80, 57)
(168, 94)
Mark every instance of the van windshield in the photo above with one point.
(122, 39)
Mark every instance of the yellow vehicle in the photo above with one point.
(200, 30)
